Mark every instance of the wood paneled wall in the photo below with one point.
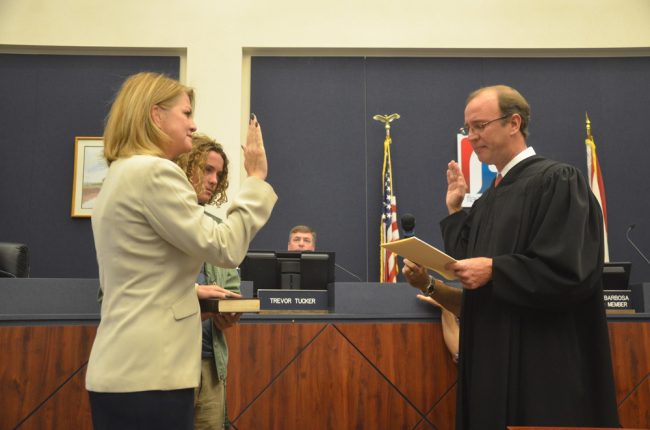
(321, 375)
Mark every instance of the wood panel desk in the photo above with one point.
(566, 428)
(379, 363)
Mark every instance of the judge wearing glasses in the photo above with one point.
(534, 346)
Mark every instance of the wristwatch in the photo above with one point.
(431, 287)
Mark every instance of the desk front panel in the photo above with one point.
(284, 375)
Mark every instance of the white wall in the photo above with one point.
(217, 36)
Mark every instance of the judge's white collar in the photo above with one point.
(528, 152)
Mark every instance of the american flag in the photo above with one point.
(388, 225)
(595, 177)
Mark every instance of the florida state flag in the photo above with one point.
(595, 177)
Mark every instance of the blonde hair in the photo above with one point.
(130, 129)
(194, 161)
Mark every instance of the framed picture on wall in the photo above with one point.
(90, 169)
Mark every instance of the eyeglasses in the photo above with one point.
(479, 127)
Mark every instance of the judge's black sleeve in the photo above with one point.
(543, 229)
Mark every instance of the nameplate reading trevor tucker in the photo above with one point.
(293, 301)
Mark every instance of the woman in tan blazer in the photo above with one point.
(151, 237)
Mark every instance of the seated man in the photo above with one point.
(206, 167)
(302, 238)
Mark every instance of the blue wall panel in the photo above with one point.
(325, 150)
(47, 100)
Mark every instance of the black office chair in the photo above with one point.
(14, 260)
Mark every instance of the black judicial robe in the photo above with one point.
(534, 346)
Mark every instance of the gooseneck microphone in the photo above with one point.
(627, 235)
(348, 272)
(4, 274)
(408, 225)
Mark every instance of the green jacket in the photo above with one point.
(230, 280)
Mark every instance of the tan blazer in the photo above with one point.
(151, 238)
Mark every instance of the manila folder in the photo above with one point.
(423, 254)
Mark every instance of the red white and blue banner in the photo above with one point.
(478, 175)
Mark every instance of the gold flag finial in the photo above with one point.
(588, 123)
(386, 119)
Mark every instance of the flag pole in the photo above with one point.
(387, 261)
(596, 183)
(387, 119)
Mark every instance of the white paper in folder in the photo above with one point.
(423, 254)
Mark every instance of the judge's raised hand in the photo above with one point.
(456, 187)
(415, 274)
(255, 161)
(473, 273)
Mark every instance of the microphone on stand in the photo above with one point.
(627, 236)
(4, 274)
(408, 225)
(348, 272)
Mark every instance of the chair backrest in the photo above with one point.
(14, 260)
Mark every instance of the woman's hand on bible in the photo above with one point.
(213, 292)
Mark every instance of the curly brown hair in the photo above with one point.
(194, 161)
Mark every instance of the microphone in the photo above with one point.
(627, 235)
(408, 225)
(5, 274)
(347, 271)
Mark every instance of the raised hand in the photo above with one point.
(255, 161)
(456, 187)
